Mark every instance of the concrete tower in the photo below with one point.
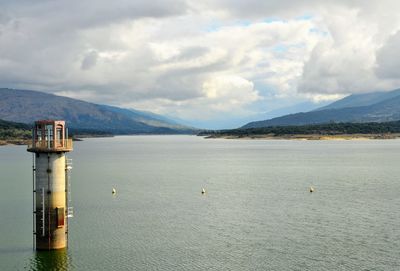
(50, 143)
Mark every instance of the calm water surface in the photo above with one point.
(257, 213)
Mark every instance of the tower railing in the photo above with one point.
(51, 145)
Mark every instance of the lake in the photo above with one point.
(257, 213)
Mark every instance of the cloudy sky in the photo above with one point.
(211, 63)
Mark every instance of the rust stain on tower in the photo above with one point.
(51, 184)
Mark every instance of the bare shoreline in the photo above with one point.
(310, 137)
(5, 142)
(18, 142)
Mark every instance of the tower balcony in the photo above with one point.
(64, 145)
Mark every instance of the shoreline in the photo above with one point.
(343, 137)
(17, 142)
(308, 137)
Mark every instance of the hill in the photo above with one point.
(26, 106)
(356, 100)
(370, 107)
(318, 131)
(16, 133)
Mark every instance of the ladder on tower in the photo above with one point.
(68, 167)
(33, 200)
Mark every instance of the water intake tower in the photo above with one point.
(51, 184)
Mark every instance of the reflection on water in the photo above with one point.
(50, 260)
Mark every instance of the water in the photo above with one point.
(257, 213)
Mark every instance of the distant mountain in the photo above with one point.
(356, 100)
(26, 106)
(370, 107)
(299, 107)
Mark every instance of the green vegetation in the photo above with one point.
(14, 133)
(329, 129)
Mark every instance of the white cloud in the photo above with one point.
(342, 63)
(228, 93)
(200, 60)
(318, 98)
(221, 95)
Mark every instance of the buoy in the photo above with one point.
(311, 189)
(114, 191)
(203, 191)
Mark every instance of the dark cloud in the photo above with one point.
(388, 58)
(193, 52)
(90, 60)
(92, 13)
(275, 8)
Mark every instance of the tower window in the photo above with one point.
(60, 217)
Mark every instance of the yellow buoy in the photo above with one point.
(114, 191)
(311, 189)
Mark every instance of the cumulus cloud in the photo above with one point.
(228, 93)
(387, 63)
(223, 95)
(200, 59)
(342, 62)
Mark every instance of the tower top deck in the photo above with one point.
(50, 136)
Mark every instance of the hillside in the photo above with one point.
(11, 132)
(26, 106)
(370, 107)
(356, 100)
(318, 131)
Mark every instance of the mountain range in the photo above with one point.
(27, 106)
(356, 108)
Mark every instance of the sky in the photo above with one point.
(210, 63)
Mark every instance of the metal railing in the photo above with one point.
(51, 145)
